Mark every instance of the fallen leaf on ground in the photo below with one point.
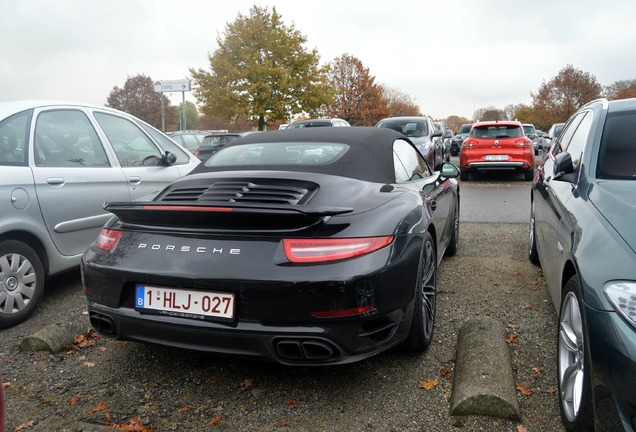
(216, 420)
(536, 370)
(524, 389)
(551, 390)
(291, 402)
(185, 408)
(429, 384)
(6, 385)
(512, 338)
(446, 373)
(101, 406)
(24, 426)
(521, 428)
(516, 273)
(121, 345)
(74, 400)
(133, 425)
(248, 383)
(89, 364)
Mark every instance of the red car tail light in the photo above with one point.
(470, 143)
(323, 250)
(345, 312)
(523, 143)
(108, 239)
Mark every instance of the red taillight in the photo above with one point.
(345, 312)
(523, 143)
(107, 239)
(322, 250)
(470, 143)
(196, 153)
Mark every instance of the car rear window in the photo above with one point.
(496, 132)
(283, 154)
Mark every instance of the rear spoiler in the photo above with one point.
(221, 215)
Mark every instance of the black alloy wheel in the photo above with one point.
(532, 238)
(451, 250)
(421, 331)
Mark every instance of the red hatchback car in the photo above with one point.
(497, 145)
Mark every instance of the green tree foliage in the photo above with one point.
(400, 103)
(621, 90)
(261, 70)
(138, 97)
(560, 97)
(192, 118)
(358, 99)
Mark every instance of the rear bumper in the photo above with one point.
(334, 342)
(499, 166)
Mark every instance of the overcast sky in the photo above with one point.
(451, 56)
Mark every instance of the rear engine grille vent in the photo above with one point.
(271, 192)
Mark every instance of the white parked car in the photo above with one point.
(59, 163)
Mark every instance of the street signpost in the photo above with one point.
(171, 86)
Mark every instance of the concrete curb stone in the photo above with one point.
(55, 337)
(484, 382)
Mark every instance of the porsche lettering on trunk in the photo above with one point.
(186, 249)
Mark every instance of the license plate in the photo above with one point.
(180, 302)
(496, 157)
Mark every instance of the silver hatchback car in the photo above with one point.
(59, 163)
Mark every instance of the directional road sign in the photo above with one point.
(172, 86)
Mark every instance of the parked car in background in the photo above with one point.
(552, 134)
(531, 132)
(190, 139)
(582, 233)
(60, 162)
(446, 141)
(216, 141)
(421, 131)
(458, 139)
(497, 146)
(330, 122)
(303, 247)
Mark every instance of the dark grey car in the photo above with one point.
(59, 163)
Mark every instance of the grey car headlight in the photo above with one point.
(622, 295)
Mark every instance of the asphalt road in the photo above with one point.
(127, 384)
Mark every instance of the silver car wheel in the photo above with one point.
(571, 357)
(21, 282)
(18, 284)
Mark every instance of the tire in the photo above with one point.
(454, 240)
(573, 365)
(529, 175)
(22, 282)
(532, 238)
(423, 321)
(463, 175)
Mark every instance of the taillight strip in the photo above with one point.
(344, 312)
(188, 208)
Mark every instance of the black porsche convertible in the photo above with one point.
(304, 247)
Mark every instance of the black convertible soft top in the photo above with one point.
(369, 156)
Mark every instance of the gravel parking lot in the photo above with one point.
(98, 382)
(101, 382)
